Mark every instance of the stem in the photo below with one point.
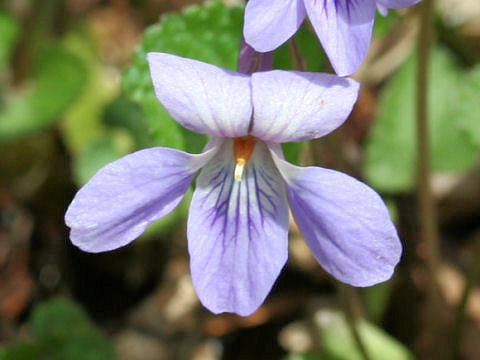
(425, 198)
(472, 276)
(298, 61)
(428, 221)
(352, 309)
(250, 61)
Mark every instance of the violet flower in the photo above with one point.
(344, 27)
(238, 221)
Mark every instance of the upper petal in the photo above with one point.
(125, 196)
(345, 223)
(344, 28)
(202, 97)
(268, 24)
(237, 231)
(299, 106)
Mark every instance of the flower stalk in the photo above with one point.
(426, 206)
(250, 61)
(352, 309)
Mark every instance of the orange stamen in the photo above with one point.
(242, 151)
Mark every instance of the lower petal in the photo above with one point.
(237, 231)
(125, 196)
(345, 223)
(344, 28)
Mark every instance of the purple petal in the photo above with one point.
(344, 28)
(125, 196)
(202, 97)
(237, 231)
(345, 223)
(268, 24)
(382, 9)
(396, 4)
(299, 106)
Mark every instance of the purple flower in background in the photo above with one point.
(238, 220)
(344, 27)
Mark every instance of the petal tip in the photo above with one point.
(258, 45)
(219, 309)
(347, 68)
(386, 265)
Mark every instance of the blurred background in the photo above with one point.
(75, 94)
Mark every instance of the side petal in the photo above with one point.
(345, 223)
(268, 24)
(202, 97)
(299, 106)
(396, 4)
(344, 28)
(125, 196)
(237, 231)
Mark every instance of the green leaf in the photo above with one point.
(293, 151)
(9, 30)
(93, 128)
(21, 351)
(209, 33)
(86, 346)
(337, 341)
(123, 113)
(59, 319)
(65, 332)
(58, 80)
(469, 111)
(391, 146)
(83, 119)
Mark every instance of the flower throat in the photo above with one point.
(242, 151)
